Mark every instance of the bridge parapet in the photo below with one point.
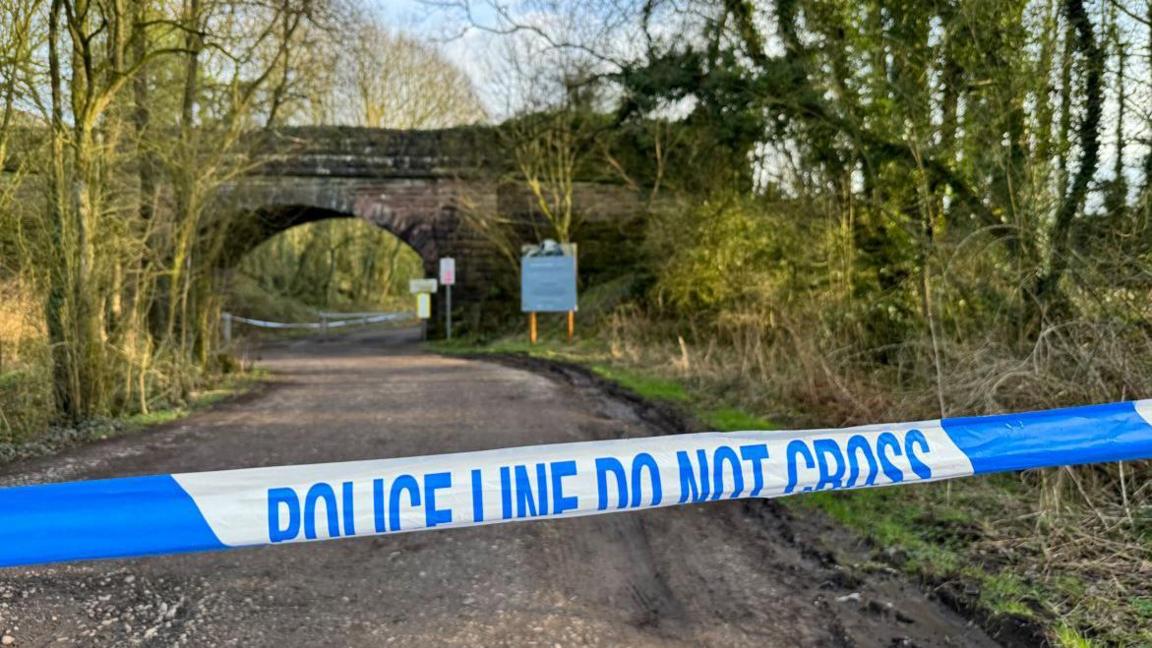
(349, 152)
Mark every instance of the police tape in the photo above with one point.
(138, 516)
(353, 319)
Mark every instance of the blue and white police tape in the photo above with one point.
(138, 516)
(351, 319)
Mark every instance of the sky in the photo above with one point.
(483, 55)
(469, 50)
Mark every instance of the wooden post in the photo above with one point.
(571, 325)
(227, 317)
(532, 327)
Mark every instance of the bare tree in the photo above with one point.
(384, 79)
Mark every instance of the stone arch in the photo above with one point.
(423, 213)
(251, 229)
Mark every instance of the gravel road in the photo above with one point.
(719, 574)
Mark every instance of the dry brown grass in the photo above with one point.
(18, 321)
(25, 390)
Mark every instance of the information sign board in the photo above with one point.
(548, 280)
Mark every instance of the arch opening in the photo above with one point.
(298, 261)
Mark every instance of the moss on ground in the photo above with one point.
(647, 386)
(231, 386)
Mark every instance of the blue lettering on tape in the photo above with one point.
(606, 466)
(560, 501)
(640, 463)
(283, 514)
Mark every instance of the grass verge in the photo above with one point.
(61, 437)
(233, 385)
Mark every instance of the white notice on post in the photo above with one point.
(447, 271)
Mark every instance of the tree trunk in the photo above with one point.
(1047, 291)
(58, 306)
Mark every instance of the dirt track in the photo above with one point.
(722, 574)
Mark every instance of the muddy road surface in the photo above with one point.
(719, 574)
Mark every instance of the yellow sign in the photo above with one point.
(423, 305)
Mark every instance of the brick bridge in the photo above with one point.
(420, 186)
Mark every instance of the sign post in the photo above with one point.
(548, 283)
(423, 289)
(447, 279)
